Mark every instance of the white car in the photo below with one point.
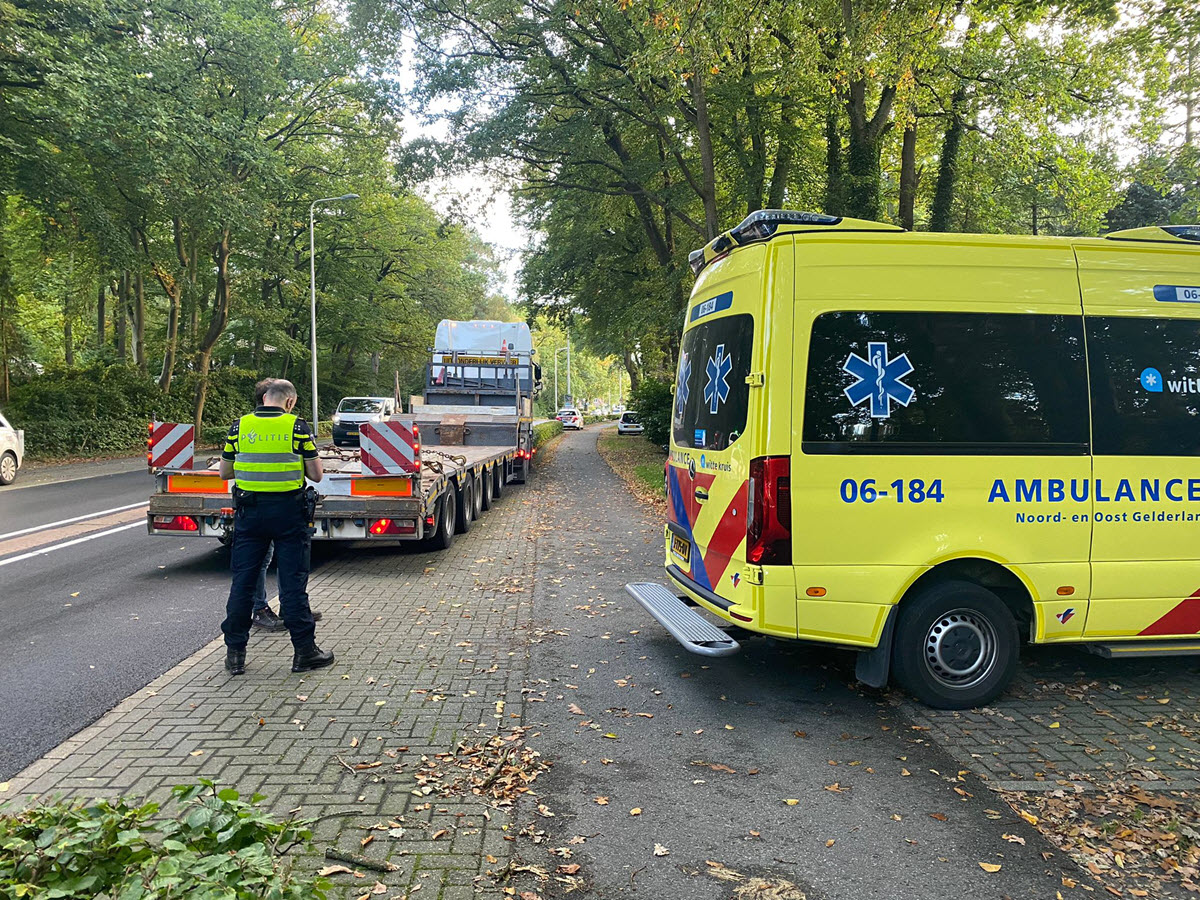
(629, 424)
(570, 418)
(354, 411)
(12, 451)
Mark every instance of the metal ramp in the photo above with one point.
(687, 626)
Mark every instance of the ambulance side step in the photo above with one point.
(1122, 649)
(687, 626)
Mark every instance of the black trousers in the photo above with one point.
(260, 519)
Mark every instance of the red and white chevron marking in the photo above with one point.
(172, 446)
(390, 448)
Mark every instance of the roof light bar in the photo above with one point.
(758, 226)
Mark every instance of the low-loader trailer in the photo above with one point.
(423, 476)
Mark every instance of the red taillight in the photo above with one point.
(175, 523)
(393, 526)
(769, 529)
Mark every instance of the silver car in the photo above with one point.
(12, 451)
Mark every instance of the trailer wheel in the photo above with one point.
(477, 497)
(498, 480)
(489, 488)
(464, 505)
(444, 536)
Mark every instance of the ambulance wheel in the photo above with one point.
(444, 536)
(498, 481)
(476, 497)
(489, 489)
(464, 506)
(8, 468)
(956, 645)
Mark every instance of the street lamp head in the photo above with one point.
(348, 197)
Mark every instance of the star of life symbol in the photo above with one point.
(879, 379)
(683, 389)
(716, 389)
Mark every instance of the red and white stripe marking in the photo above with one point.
(390, 448)
(172, 446)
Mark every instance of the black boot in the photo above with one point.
(312, 658)
(235, 660)
(266, 619)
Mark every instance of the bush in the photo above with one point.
(653, 403)
(545, 431)
(218, 846)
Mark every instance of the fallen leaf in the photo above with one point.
(800, 734)
(600, 801)
(575, 710)
(380, 888)
(905, 773)
(440, 833)
(1014, 839)
(335, 870)
(660, 850)
(611, 736)
(1030, 818)
(529, 895)
(196, 753)
(366, 840)
(830, 842)
(791, 802)
(939, 816)
(569, 869)
(990, 867)
(836, 788)
(636, 811)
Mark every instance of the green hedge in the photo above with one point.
(545, 431)
(652, 401)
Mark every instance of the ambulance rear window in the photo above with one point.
(918, 382)
(711, 394)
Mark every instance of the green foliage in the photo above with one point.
(653, 402)
(545, 431)
(216, 847)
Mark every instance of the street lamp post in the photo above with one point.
(556, 352)
(312, 280)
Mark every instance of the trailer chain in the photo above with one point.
(456, 458)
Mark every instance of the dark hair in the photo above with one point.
(260, 390)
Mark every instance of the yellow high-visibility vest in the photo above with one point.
(266, 459)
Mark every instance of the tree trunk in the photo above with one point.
(216, 327)
(704, 143)
(783, 159)
(835, 196)
(865, 147)
(68, 326)
(121, 314)
(631, 366)
(943, 194)
(101, 314)
(908, 175)
(139, 320)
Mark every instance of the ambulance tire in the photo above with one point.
(464, 506)
(444, 536)
(956, 645)
(477, 497)
(489, 489)
(498, 480)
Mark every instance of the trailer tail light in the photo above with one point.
(393, 526)
(175, 523)
(769, 529)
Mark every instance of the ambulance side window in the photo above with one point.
(711, 394)
(926, 382)
(1145, 378)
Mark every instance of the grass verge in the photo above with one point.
(638, 463)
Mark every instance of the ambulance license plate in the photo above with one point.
(681, 548)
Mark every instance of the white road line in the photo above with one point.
(95, 515)
(53, 547)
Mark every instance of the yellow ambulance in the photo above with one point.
(933, 447)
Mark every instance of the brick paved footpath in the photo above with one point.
(430, 651)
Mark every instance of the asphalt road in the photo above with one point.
(770, 764)
(102, 614)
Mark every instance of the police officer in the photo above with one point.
(268, 453)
